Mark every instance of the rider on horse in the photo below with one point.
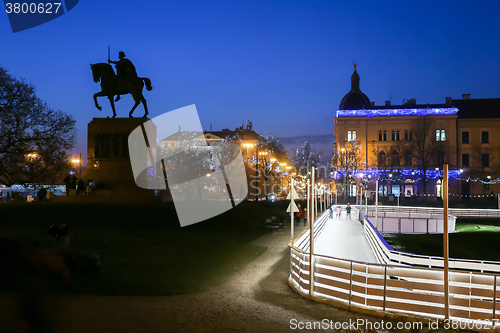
(125, 69)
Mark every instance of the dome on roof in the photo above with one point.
(355, 99)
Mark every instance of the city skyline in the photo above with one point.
(283, 65)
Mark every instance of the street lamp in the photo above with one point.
(75, 160)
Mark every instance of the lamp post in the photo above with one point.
(79, 161)
(263, 153)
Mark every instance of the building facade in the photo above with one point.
(405, 146)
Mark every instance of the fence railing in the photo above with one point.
(392, 289)
(458, 212)
(411, 222)
(304, 240)
(386, 254)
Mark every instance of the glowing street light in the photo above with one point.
(75, 160)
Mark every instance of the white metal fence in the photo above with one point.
(387, 255)
(458, 212)
(384, 289)
(411, 222)
(389, 289)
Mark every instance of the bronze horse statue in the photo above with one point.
(112, 85)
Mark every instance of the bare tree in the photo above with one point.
(34, 139)
(427, 152)
(481, 157)
(347, 159)
(389, 163)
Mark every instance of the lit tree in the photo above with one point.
(34, 139)
(270, 153)
(306, 157)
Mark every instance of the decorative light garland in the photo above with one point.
(396, 112)
(415, 175)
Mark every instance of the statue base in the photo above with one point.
(108, 162)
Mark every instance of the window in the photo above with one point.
(385, 135)
(485, 137)
(411, 135)
(408, 159)
(394, 158)
(393, 135)
(351, 136)
(406, 135)
(382, 158)
(465, 137)
(465, 160)
(485, 160)
(440, 135)
(440, 159)
(379, 135)
(397, 135)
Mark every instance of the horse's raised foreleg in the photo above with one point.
(112, 105)
(99, 94)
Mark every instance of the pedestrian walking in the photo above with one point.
(299, 215)
(338, 210)
(331, 212)
(348, 211)
(305, 217)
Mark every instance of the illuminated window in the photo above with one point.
(440, 135)
(351, 136)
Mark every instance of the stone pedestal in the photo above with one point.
(108, 161)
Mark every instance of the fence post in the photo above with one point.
(385, 284)
(311, 235)
(494, 298)
(350, 287)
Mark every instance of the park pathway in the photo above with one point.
(344, 239)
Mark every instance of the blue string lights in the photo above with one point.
(396, 112)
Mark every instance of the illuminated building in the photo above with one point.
(468, 128)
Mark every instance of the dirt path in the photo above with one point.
(256, 299)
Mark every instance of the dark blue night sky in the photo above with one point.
(284, 65)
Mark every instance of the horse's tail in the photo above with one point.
(147, 81)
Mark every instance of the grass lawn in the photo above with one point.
(474, 239)
(141, 248)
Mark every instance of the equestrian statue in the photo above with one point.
(124, 82)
